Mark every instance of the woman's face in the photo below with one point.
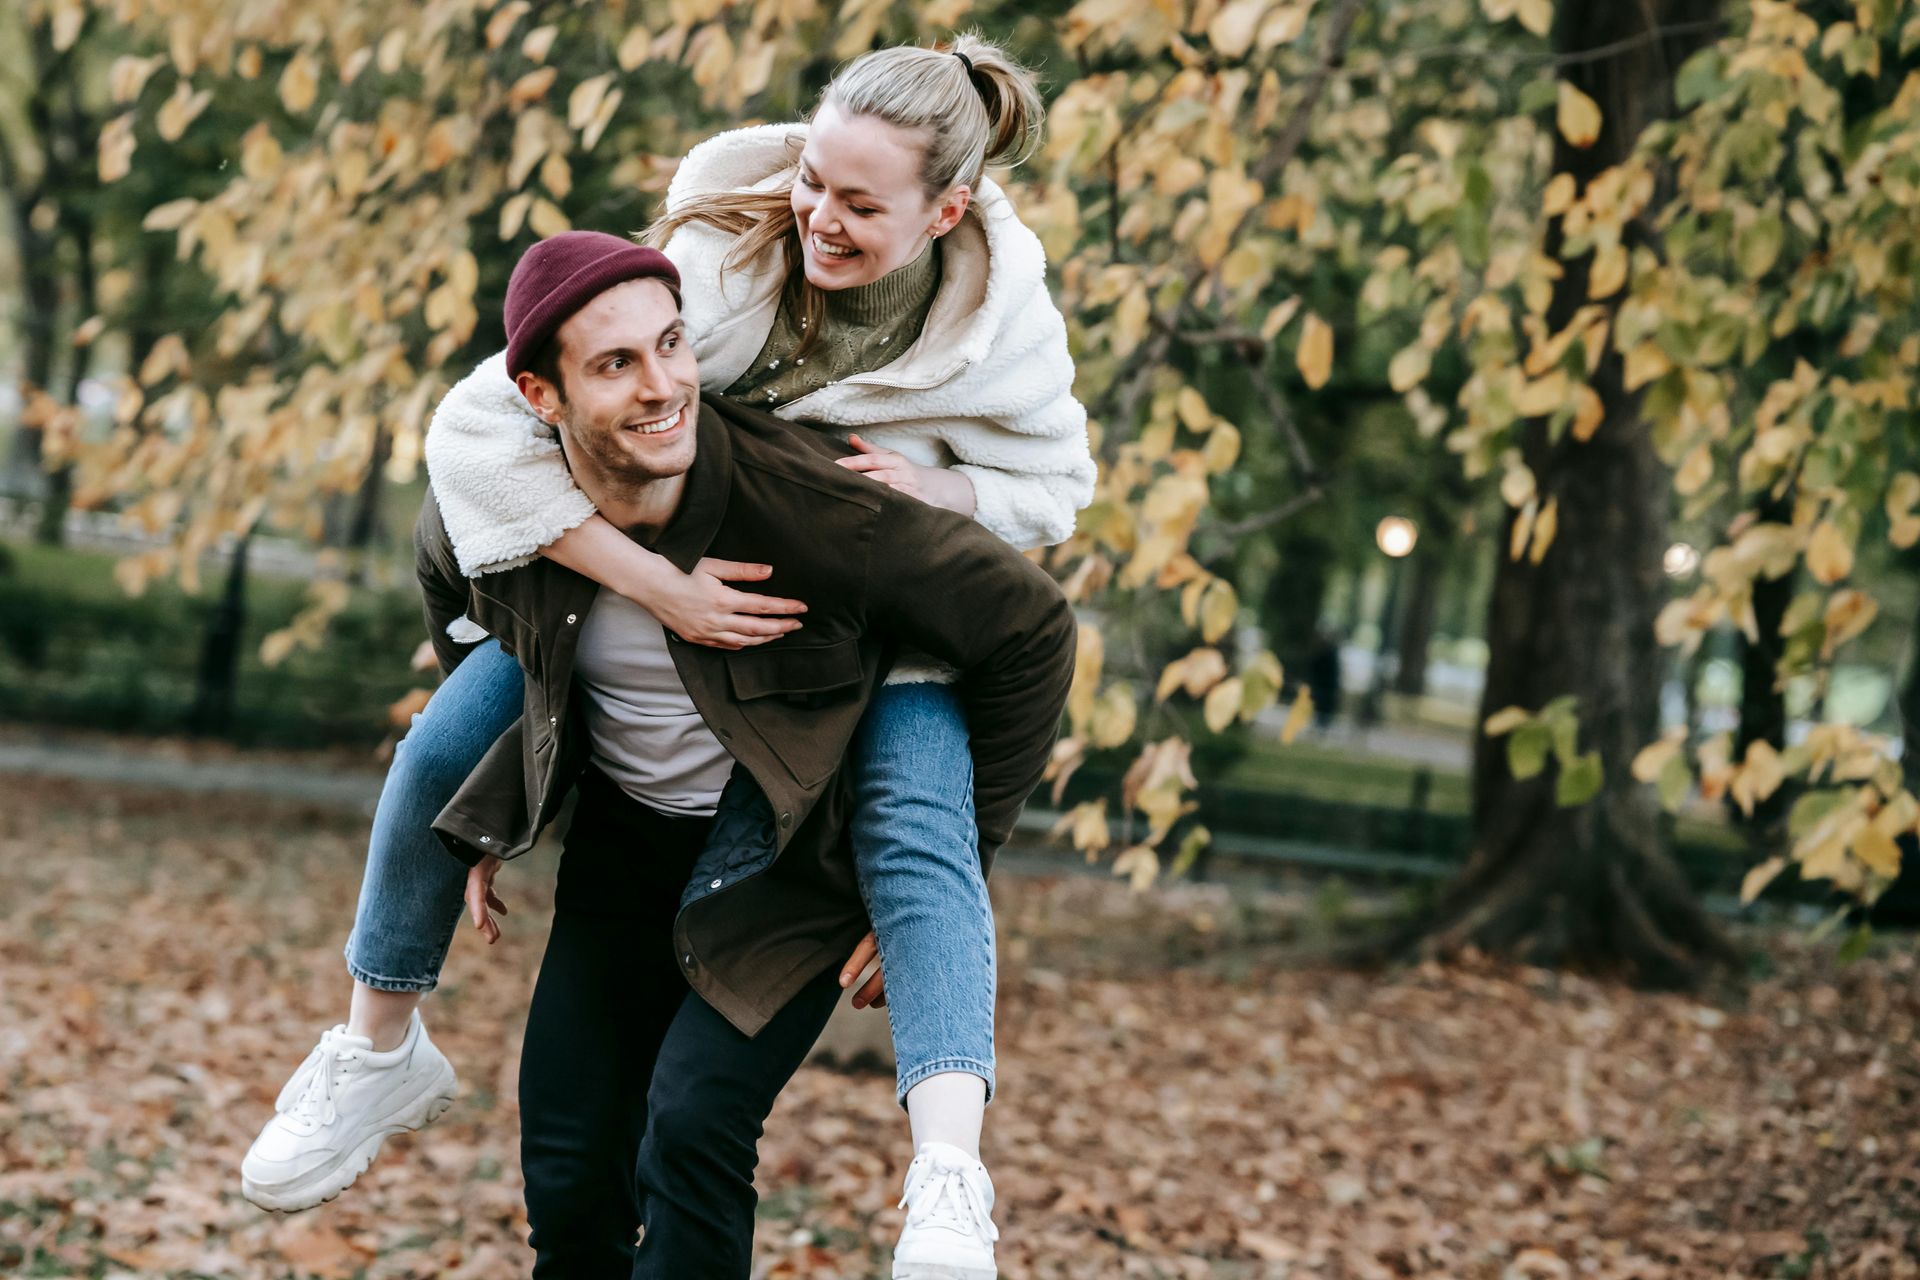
(858, 200)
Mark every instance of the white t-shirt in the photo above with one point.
(646, 734)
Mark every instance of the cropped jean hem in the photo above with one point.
(912, 1076)
(408, 986)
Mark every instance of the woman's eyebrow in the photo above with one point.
(808, 169)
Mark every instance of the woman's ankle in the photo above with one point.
(381, 1016)
(948, 1107)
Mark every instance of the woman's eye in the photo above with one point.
(865, 213)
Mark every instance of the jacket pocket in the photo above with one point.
(803, 702)
(803, 674)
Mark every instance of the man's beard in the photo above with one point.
(618, 472)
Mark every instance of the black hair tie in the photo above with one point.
(964, 61)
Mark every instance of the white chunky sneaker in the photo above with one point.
(341, 1104)
(950, 1232)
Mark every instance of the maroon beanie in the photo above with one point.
(560, 275)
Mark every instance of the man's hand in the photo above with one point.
(936, 486)
(482, 901)
(701, 608)
(865, 956)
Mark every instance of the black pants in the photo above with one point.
(638, 1103)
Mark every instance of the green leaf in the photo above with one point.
(1700, 79)
(1537, 95)
(1810, 808)
(1758, 245)
(1580, 781)
(1527, 749)
(1856, 945)
(1674, 783)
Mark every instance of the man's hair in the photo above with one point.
(545, 363)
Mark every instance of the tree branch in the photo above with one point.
(1267, 519)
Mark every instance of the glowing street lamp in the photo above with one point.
(1395, 536)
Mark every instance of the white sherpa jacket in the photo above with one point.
(987, 389)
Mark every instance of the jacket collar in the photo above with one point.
(703, 505)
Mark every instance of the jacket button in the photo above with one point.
(688, 960)
(553, 719)
(571, 617)
(714, 885)
(786, 819)
(489, 839)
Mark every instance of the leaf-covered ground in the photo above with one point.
(165, 960)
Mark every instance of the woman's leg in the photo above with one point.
(381, 1074)
(917, 853)
(410, 897)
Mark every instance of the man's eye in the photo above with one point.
(618, 362)
(670, 343)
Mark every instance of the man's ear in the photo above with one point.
(541, 396)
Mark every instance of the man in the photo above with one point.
(693, 960)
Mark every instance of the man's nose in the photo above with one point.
(656, 384)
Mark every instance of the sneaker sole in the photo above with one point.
(942, 1271)
(329, 1181)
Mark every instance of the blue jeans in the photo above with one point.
(410, 897)
(915, 846)
(916, 850)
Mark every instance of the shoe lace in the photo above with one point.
(333, 1061)
(947, 1197)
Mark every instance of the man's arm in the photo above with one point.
(946, 586)
(442, 588)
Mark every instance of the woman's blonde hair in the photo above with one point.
(973, 105)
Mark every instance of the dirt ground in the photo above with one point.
(1177, 1099)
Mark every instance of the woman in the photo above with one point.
(859, 274)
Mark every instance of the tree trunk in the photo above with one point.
(216, 690)
(1899, 906)
(1422, 607)
(1592, 886)
(1763, 698)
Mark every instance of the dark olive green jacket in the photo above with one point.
(773, 901)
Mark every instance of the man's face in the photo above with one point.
(632, 386)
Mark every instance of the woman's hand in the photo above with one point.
(934, 485)
(701, 608)
(482, 901)
(866, 955)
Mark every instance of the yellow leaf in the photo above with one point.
(1299, 716)
(500, 25)
(170, 216)
(1578, 116)
(1315, 357)
(1848, 614)
(635, 48)
(1878, 850)
(1560, 195)
(1829, 554)
(1652, 759)
(1222, 449)
(1522, 530)
(1695, 470)
(1218, 607)
(539, 43)
(1505, 721)
(299, 84)
(1130, 319)
(532, 87)
(1088, 823)
(1759, 878)
(1645, 363)
(1223, 704)
(1277, 319)
(1536, 15)
(116, 149)
(1545, 526)
(1541, 396)
(1196, 673)
(1114, 716)
(601, 119)
(180, 109)
(1588, 413)
(547, 220)
(1609, 271)
(1193, 411)
(1141, 866)
(513, 215)
(586, 98)
(1232, 30)
(1409, 367)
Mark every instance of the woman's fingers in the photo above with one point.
(864, 954)
(747, 602)
(733, 570)
(874, 993)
